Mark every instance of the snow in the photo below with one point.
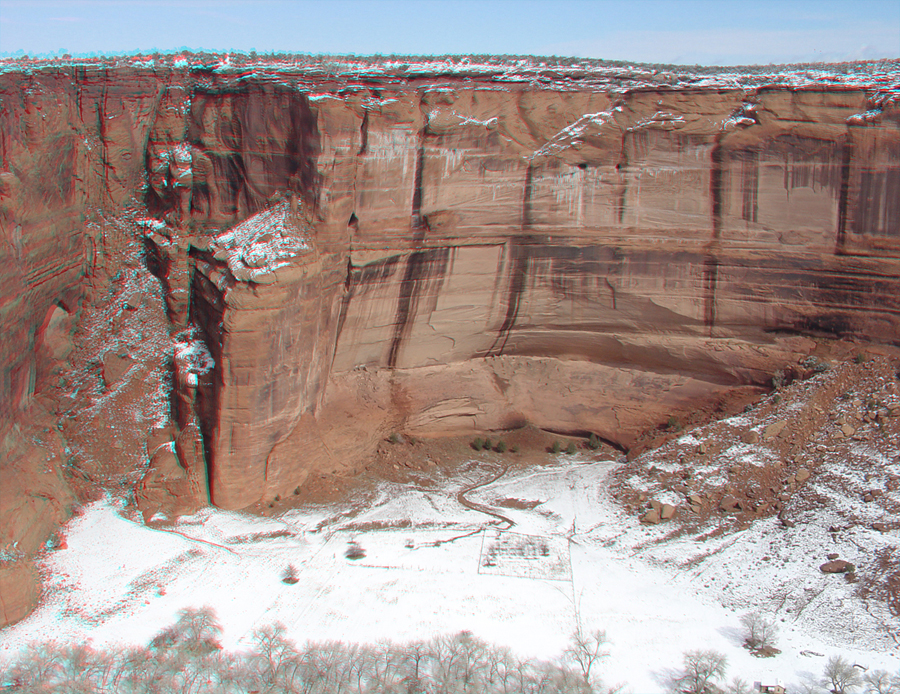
(571, 135)
(431, 565)
(261, 244)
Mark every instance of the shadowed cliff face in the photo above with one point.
(362, 256)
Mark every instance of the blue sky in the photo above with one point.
(711, 32)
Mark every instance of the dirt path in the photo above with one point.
(473, 506)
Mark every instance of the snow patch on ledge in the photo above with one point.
(258, 246)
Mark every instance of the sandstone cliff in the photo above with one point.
(346, 253)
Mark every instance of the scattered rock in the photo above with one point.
(802, 475)
(750, 437)
(833, 555)
(847, 430)
(115, 366)
(668, 511)
(731, 504)
(133, 301)
(701, 449)
(773, 430)
(880, 527)
(837, 566)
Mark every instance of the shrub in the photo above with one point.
(478, 444)
(556, 447)
(814, 364)
(570, 449)
(514, 448)
(778, 379)
(488, 445)
(501, 447)
(354, 551)
(289, 575)
(594, 442)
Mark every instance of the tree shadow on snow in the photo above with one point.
(665, 678)
(733, 634)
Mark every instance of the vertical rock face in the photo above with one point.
(377, 252)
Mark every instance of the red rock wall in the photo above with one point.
(478, 253)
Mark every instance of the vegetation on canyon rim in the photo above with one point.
(188, 657)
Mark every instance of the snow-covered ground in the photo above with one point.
(431, 565)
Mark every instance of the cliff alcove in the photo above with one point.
(221, 277)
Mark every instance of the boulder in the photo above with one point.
(651, 517)
(115, 366)
(773, 430)
(837, 566)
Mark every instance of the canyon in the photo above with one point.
(221, 278)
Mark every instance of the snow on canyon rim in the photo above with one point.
(432, 566)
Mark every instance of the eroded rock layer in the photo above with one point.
(347, 255)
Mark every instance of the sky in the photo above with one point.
(706, 32)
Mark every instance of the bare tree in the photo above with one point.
(839, 676)
(585, 650)
(701, 673)
(186, 658)
(273, 652)
(500, 672)
(384, 665)
(759, 632)
(38, 667)
(196, 633)
(738, 686)
(882, 682)
(458, 662)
